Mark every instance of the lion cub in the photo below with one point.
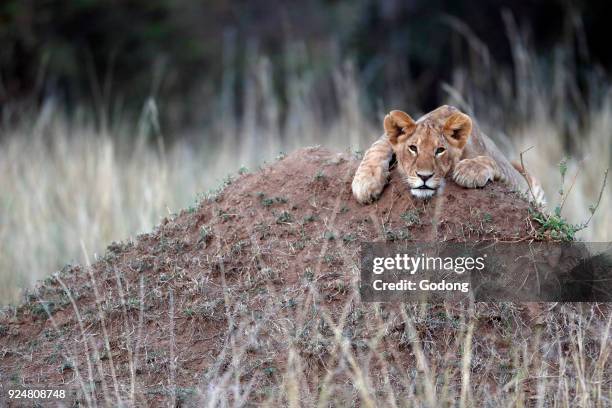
(443, 141)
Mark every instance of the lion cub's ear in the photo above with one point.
(398, 126)
(457, 129)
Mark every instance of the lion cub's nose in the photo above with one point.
(424, 176)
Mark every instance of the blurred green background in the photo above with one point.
(113, 55)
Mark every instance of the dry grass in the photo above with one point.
(69, 189)
(144, 328)
(321, 353)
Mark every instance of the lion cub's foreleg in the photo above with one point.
(476, 172)
(373, 171)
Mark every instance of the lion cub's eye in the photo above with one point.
(440, 150)
(413, 148)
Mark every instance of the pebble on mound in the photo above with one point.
(241, 288)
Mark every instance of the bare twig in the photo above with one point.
(594, 208)
(565, 195)
(126, 321)
(524, 174)
(466, 364)
(569, 190)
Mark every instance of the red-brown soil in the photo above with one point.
(238, 279)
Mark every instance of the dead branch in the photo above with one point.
(524, 174)
(594, 208)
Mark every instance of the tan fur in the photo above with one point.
(443, 142)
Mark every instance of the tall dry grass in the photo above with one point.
(320, 353)
(68, 188)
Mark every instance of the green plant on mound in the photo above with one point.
(553, 225)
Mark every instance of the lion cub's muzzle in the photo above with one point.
(424, 184)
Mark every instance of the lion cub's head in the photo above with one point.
(428, 149)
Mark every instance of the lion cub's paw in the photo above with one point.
(367, 186)
(476, 172)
